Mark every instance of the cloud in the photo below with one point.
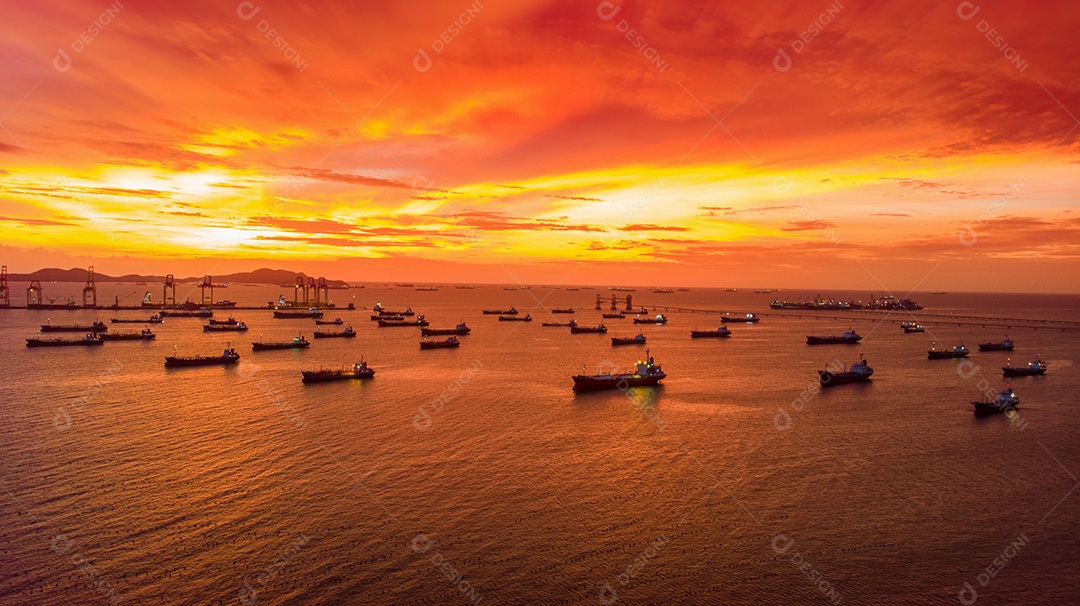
(807, 225)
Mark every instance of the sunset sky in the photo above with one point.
(794, 144)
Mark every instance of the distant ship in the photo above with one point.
(500, 312)
(659, 319)
(614, 315)
(706, 334)
(359, 370)
(89, 339)
(427, 288)
(662, 291)
(296, 343)
(154, 319)
(848, 338)
(912, 327)
(229, 322)
(334, 322)
(588, 329)
(419, 321)
(1005, 400)
(940, 354)
(525, 318)
(95, 327)
(379, 309)
(225, 327)
(747, 318)
(857, 373)
(346, 334)
(229, 356)
(1038, 367)
(460, 329)
(648, 373)
(144, 335)
(1005, 344)
(450, 342)
(181, 312)
(639, 339)
(312, 312)
(571, 323)
(562, 310)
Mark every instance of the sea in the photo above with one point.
(477, 475)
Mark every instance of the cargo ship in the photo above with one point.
(334, 322)
(659, 319)
(237, 327)
(588, 329)
(570, 324)
(1038, 367)
(747, 318)
(638, 339)
(857, 373)
(706, 334)
(941, 354)
(500, 312)
(1005, 400)
(229, 356)
(1005, 344)
(144, 335)
(359, 370)
(848, 338)
(154, 319)
(562, 310)
(525, 318)
(450, 342)
(95, 327)
(460, 329)
(648, 373)
(419, 321)
(89, 339)
(311, 312)
(345, 334)
(296, 343)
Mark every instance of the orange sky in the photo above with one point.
(815, 144)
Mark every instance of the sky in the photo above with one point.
(895, 146)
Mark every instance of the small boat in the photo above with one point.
(748, 318)
(1038, 367)
(614, 316)
(95, 327)
(89, 339)
(229, 356)
(144, 335)
(571, 323)
(237, 327)
(662, 291)
(659, 319)
(359, 370)
(639, 339)
(848, 338)
(940, 354)
(858, 372)
(154, 319)
(500, 312)
(1005, 344)
(345, 334)
(648, 373)
(334, 322)
(525, 318)
(448, 343)
(419, 321)
(1006, 400)
(383, 312)
(230, 322)
(296, 343)
(288, 314)
(562, 310)
(460, 329)
(705, 334)
(588, 329)
(910, 327)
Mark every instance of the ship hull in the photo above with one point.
(995, 347)
(61, 342)
(944, 355)
(708, 334)
(385, 324)
(828, 379)
(224, 328)
(1022, 372)
(82, 329)
(831, 341)
(171, 362)
(442, 332)
(135, 337)
(335, 335)
(273, 346)
(578, 330)
(584, 383)
(983, 409)
(317, 377)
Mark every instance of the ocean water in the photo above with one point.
(477, 475)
